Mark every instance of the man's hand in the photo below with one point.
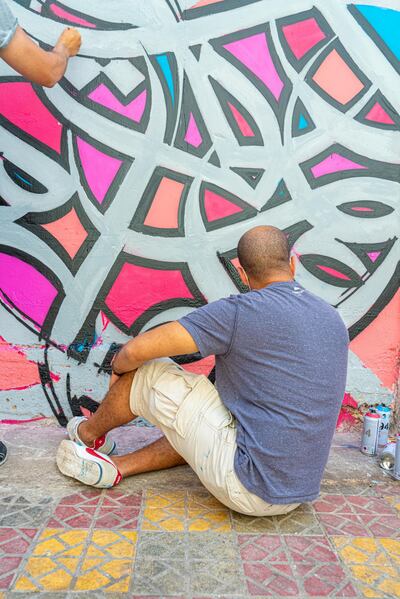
(71, 39)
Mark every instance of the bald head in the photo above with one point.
(264, 253)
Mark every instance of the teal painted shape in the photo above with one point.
(386, 23)
(162, 60)
(303, 123)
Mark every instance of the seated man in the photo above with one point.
(258, 440)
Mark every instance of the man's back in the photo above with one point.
(281, 360)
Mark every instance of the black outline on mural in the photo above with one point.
(376, 38)
(145, 203)
(374, 311)
(323, 24)
(374, 168)
(32, 221)
(246, 213)
(295, 231)
(226, 260)
(280, 196)
(21, 178)
(45, 329)
(361, 251)
(278, 107)
(345, 56)
(252, 176)
(99, 24)
(62, 157)
(300, 109)
(126, 163)
(379, 98)
(212, 9)
(189, 106)
(88, 328)
(311, 262)
(224, 97)
(378, 209)
(171, 107)
(81, 96)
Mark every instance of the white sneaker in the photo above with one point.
(87, 465)
(103, 444)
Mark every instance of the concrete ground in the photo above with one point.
(163, 535)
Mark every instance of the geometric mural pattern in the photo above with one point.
(125, 189)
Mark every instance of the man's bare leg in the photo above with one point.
(115, 411)
(156, 456)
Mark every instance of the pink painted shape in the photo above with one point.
(205, 3)
(378, 114)
(254, 53)
(333, 272)
(302, 36)
(67, 16)
(217, 207)
(136, 289)
(235, 262)
(163, 212)
(346, 418)
(373, 256)
(16, 371)
(20, 105)
(26, 288)
(100, 169)
(377, 345)
(68, 231)
(243, 125)
(335, 163)
(362, 209)
(22, 421)
(193, 136)
(134, 110)
(336, 78)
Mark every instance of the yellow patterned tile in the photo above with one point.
(392, 546)
(394, 501)
(171, 500)
(362, 550)
(91, 581)
(162, 520)
(116, 544)
(207, 513)
(54, 561)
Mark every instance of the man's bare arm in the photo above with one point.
(37, 65)
(170, 339)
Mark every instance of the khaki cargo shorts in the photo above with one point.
(190, 413)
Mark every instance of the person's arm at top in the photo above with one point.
(37, 65)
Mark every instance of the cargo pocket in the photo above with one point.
(176, 404)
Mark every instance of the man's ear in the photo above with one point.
(242, 275)
(293, 265)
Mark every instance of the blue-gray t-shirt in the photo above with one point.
(8, 24)
(281, 363)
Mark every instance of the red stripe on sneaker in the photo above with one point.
(117, 479)
(96, 454)
(99, 442)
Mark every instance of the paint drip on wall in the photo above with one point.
(125, 189)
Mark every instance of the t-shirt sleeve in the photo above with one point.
(213, 326)
(8, 24)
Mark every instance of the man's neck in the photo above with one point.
(265, 283)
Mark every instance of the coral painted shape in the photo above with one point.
(20, 372)
(163, 212)
(68, 231)
(336, 78)
(302, 36)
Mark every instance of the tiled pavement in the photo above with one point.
(163, 535)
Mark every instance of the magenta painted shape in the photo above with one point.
(335, 163)
(362, 209)
(334, 273)
(29, 290)
(193, 136)
(134, 110)
(243, 125)
(100, 169)
(377, 114)
(151, 286)
(373, 256)
(217, 207)
(20, 105)
(302, 36)
(254, 53)
(67, 16)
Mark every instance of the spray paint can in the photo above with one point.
(369, 441)
(396, 469)
(384, 423)
(386, 459)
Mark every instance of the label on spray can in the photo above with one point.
(396, 469)
(384, 423)
(369, 441)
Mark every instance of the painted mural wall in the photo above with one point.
(125, 188)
